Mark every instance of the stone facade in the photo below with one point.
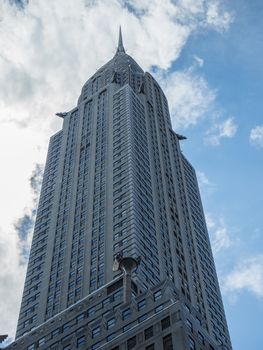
(117, 184)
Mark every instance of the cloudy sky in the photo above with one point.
(207, 56)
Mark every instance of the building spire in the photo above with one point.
(120, 48)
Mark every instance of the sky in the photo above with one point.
(207, 56)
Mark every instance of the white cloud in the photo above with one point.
(247, 275)
(218, 18)
(199, 61)
(202, 178)
(205, 185)
(192, 6)
(12, 275)
(256, 136)
(48, 50)
(210, 222)
(225, 129)
(221, 239)
(189, 96)
(219, 233)
(15, 241)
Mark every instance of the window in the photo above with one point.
(66, 338)
(111, 323)
(157, 295)
(41, 341)
(199, 321)
(66, 326)
(95, 346)
(127, 326)
(165, 322)
(106, 301)
(67, 347)
(80, 317)
(96, 332)
(31, 347)
(168, 342)
(158, 308)
(91, 311)
(111, 336)
(126, 314)
(201, 338)
(141, 304)
(81, 341)
(55, 332)
(92, 281)
(26, 323)
(189, 325)
(117, 295)
(142, 318)
(148, 333)
(187, 308)
(150, 347)
(191, 344)
(131, 343)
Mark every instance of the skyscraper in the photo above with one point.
(116, 185)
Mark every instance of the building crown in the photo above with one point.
(121, 69)
(120, 48)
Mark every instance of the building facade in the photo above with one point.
(117, 184)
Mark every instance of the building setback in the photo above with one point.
(116, 185)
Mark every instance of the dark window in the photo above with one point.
(126, 314)
(95, 346)
(191, 344)
(55, 332)
(81, 341)
(111, 336)
(150, 347)
(106, 301)
(114, 286)
(111, 323)
(67, 338)
(131, 343)
(141, 304)
(201, 338)
(148, 333)
(134, 287)
(168, 342)
(67, 347)
(157, 295)
(165, 322)
(66, 326)
(158, 308)
(126, 327)
(80, 317)
(117, 295)
(142, 318)
(41, 341)
(189, 324)
(91, 311)
(187, 308)
(96, 332)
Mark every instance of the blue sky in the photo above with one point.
(207, 56)
(233, 66)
